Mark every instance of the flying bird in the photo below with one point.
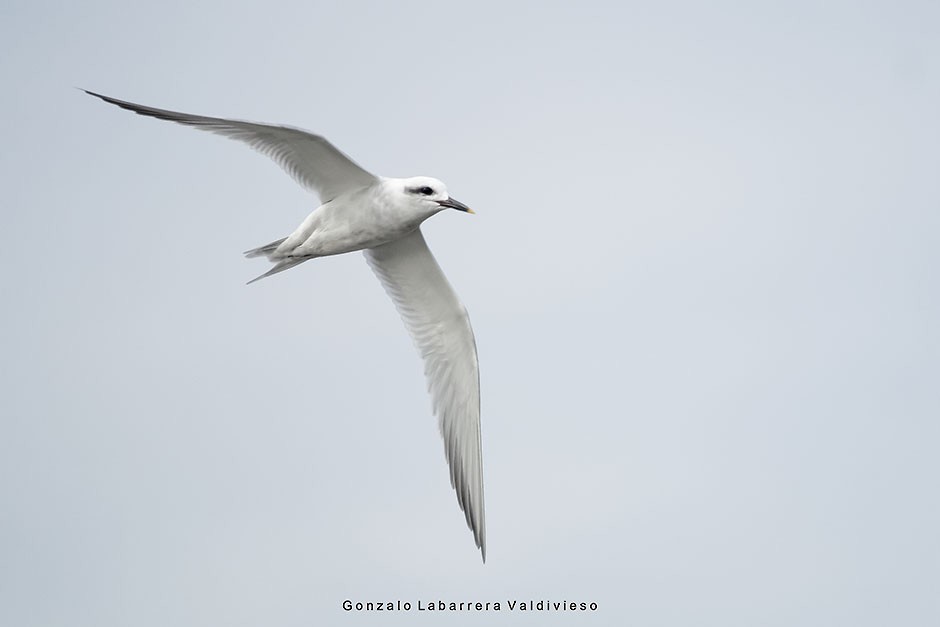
(381, 217)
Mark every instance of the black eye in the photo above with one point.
(427, 191)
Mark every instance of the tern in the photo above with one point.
(382, 217)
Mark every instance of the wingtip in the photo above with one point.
(107, 99)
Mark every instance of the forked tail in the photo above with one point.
(281, 263)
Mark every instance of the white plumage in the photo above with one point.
(382, 217)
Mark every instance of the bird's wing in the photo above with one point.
(440, 327)
(310, 159)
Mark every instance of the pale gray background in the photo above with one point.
(703, 278)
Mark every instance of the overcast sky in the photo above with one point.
(703, 276)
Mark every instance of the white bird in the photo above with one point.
(381, 217)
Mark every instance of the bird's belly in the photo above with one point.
(347, 238)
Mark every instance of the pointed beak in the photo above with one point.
(452, 203)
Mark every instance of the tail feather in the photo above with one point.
(265, 250)
(281, 266)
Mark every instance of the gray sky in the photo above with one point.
(703, 279)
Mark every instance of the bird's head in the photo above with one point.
(427, 195)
